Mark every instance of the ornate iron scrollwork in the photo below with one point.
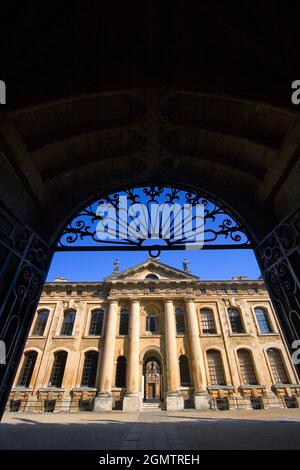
(221, 228)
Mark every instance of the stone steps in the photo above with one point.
(151, 406)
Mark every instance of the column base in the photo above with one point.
(201, 401)
(131, 403)
(103, 402)
(174, 402)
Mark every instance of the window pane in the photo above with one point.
(277, 366)
(207, 322)
(27, 369)
(215, 368)
(263, 320)
(235, 321)
(88, 378)
(96, 322)
(68, 323)
(121, 372)
(180, 324)
(58, 369)
(246, 367)
(124, 317)
(40, 323)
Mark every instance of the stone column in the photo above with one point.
(103, 400)
(131, 400)
(174, 400)
(198, 368)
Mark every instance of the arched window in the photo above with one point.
(215, 368)
(121, 372)
(40, 324)
(27, 369)
(180, 324)
(277, 366)
(207, 321)
(88, 377)
(58, 369)
(263, 320)
(151, 276)
(235, 320)
(96, 322)
(185, 378)
(68, 323)
(124, 318)
(246, 367)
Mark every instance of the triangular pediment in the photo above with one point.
(151, 269)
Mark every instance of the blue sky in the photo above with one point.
(207, 264)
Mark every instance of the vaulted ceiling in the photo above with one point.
(107, 94)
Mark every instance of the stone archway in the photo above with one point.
(152, 376)
(153, 379)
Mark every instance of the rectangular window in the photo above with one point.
(207, 322)
(152, 324)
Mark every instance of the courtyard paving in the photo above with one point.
(161, 430)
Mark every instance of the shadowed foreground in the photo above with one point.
(162, 431)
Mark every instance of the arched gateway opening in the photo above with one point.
(26, 259)
(153, 384)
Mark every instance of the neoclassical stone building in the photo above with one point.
(154, 334)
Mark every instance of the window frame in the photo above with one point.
(222, 368)
(208, 309)
(38, 313)
(124, 311)
(183, 322)
(269, 322)
(92, 370)
(283, 364)
(244, 330)
(250, 353)
(69, 310)
(55, 354)
(93, 311)
(124, 371)
(24, 366)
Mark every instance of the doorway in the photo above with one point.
(152, 380)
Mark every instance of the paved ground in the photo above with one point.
(186, 430)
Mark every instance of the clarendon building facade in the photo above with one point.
(154, 335)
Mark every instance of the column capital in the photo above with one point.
(113, 301)
(166, 301)
(190, 300)
(135, 301)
